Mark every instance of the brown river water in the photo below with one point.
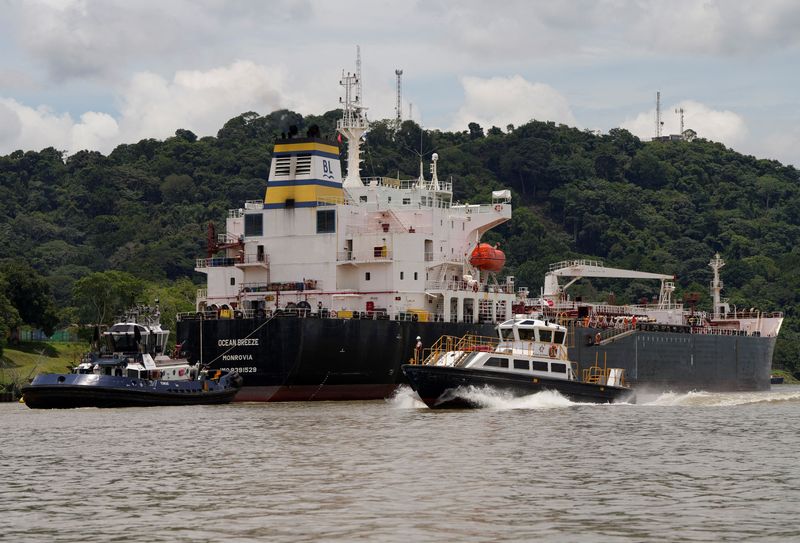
(673, 467)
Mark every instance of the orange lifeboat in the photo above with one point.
(487, 258)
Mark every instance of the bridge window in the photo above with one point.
(253, 224)
(545, 335)
(526, 334)
(326, 221)
(558, 368)
(558, 337)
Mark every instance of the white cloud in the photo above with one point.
(151, 107)
(500, 101)
(200, 101)
(723, 126)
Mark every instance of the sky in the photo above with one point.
(82, 74)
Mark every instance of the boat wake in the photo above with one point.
(722, 399)
(486, 397)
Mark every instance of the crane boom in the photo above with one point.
(578, 269)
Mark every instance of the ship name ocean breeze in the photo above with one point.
(238, 342)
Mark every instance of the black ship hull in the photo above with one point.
(439, 387)
(299, 359)
(66, 391)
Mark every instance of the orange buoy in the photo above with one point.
(487, 258)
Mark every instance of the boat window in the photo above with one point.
(539, 366)
(528, 322)
(526, 334)
(545, 335)
(507, 334)
(521, 364)
(496, 362)
(558, 337)
(558, 368)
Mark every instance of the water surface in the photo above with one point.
(676, 467)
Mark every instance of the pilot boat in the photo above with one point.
(528, 356)
(128, 369)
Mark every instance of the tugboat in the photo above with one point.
(529, 356)
(129, 369)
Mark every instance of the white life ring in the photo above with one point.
(498, 207)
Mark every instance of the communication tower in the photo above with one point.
(399, 107)
(679, 111)
(659, 124)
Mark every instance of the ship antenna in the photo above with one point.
(353, 123)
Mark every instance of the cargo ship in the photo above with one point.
(320, 290)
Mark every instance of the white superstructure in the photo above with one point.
(378, 247)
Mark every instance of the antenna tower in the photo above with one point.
(679, 111)
(353, 123)
(658, 114)
(399, 107)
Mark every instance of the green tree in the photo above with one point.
(100, 296)
(29, 293)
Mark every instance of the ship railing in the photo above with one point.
(718, 331)
(334, 200)
(254, 258)
(598, 375)
(201, 295)
(465, 286)
(466, 344)
(392, 228)
(254, 204)
(235, 213)
(571, 263)
(325, 313)
(215, 262)
(473, 209)
(752, 314)
(364, 256)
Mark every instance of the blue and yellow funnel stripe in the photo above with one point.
(303, 172)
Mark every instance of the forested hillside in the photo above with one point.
(656, 206)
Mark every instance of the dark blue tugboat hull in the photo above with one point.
(60, 391)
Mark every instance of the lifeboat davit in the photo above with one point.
(487, 258)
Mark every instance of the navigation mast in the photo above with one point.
(353, 123)
(720, 306)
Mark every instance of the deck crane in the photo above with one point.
(578, 269)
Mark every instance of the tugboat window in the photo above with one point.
(521, 365)
(558, 368)
(507, 334)
(526, 334)
(539, 366)
(253, 224)
(326, 221)
(546, 335)
(495, 362)
(366, 276)
(558, 337)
